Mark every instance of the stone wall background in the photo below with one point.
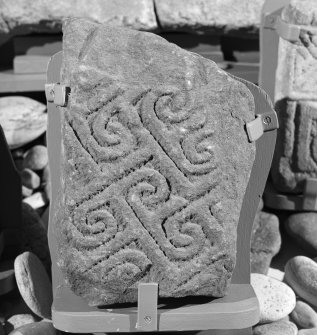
(199, 16)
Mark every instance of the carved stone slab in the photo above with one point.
(155, 165)
(296, 101)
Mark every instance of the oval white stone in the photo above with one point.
(22, 119)
(276, 299)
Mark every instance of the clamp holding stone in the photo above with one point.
(57, 93)
(261, 124)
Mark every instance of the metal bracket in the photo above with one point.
(261, 124)
(287, 31)
(147, 307)
(57, 93)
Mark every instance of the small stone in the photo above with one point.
(276, 299)
(34, 284)
(30, 179)
(276, 328)
(265, 241)
(304, 316)
(36, 200)
(36, 158)
(22, 119)
(36, 328)
(276, 273)
(301, 275)
(34, 235)
(26, 192)
(303, 228)
(19, 320)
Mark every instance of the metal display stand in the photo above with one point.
(272, 29)
(233, 314)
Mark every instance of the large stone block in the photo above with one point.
(155, 165)
(224, 16)
(295, 95)
(24, 16)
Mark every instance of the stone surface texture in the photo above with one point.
(228, 15)
(19, 320)
(155, 166)
(276, 328)
(47, 16)
(295, 156)
(36, 328)
(303, 315)
(265, 241)
(301, 275)
(303, 228)
(23, 16)
(34, 284)
(276, 299)
(36, 158)
(22, 119)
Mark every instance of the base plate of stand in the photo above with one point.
(238, 309)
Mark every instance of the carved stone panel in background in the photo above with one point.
(296, 102)
(155, 166)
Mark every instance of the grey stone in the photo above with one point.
(156, 162)
(34, 235)
(265, 241)
(295, 156)
(303, 228)
(22, 119)
(34, 284)
(18, 320)
(36, 200)
(210, 15)
(276, 299)
(36, 158)
(26, 192)
(36, 328)
(276, 328)
(30, 179)
(303, 315)
(26, 16)
(301, 275)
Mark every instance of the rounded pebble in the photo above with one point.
(30, 179)
(36, 158)
(34, 284)
(303, 228)
(36, 328)
(304, 316)
(301, 275)
(276, 328)
(26, 192)
(276, 299)
(18, 320)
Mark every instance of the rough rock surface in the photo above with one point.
(301, 275)
(155, 166)
(23, 16)
(34, 284)
(229, 15)
(276, 328)
(304, 316)
(276, 299)
(303, 228)
(295, 156)
(19, 320)
(265, 241)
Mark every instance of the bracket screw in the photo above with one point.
(147, 319)
(267, 120)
